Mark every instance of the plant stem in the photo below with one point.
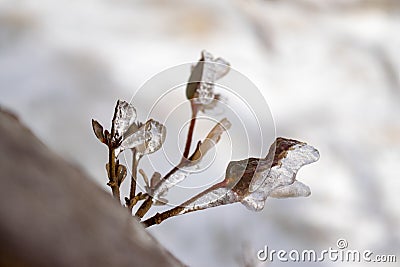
(191, 130)
(113, 183)
(144, 208)
(113, 178)
(160, 217)
(135, 162)
(146, 205)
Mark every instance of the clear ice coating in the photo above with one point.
(154, 136)
(212, 197)
(125, 114)
(135, 140)
(280, 181)
(213, 69)
(146, 140)
(297, 189)
(162, 188)
(297, 156)
(214, 108)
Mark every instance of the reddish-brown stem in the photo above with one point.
(191, 130)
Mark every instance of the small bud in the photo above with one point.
(121, 173)
(98, 131)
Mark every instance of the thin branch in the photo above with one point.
(160, 217)
(132, 194)
(180, 210)
(144, 208)
(113, 183)
(191, 129)
(135, 199)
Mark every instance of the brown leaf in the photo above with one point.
(98, 131)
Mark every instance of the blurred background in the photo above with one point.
(328, 69)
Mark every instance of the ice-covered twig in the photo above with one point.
(252, 180)
(126, 133)
(123, 116)
(182, 170)
(185, 167)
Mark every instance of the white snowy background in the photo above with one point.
(328, 69)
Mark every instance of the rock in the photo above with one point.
(53, 214)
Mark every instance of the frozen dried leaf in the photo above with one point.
(241, 173)
(155, 179)
(213, 69)
(287, 161)
(194, 79)
(155, 133)
(134, 127)
(277, 181)
(98, 131)
(135, 140)
(124, 115)
(216, 68)
(300, 155)
(146, 140)
(203, 76)
(221, 68)
(161, 189)
(211, 140)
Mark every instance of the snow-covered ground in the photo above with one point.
(328, 69)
